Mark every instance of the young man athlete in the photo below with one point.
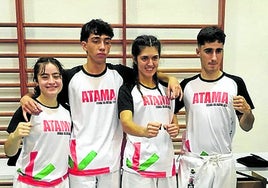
(213, 101)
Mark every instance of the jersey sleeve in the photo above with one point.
(242, 90)
(179, 104)
(125, 100)
(63, 96)
(127, 73)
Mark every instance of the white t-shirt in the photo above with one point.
(211, 118)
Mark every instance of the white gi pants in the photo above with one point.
(216, 171)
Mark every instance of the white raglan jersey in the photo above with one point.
(149, 157)
(211, 118)
(96, 136)
(44, 155)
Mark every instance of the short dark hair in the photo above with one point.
(97, 27)
(210, 34)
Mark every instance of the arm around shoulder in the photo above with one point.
(29, 105)
(174, 89)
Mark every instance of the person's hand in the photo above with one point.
(29, 106)
(172, 129)
(14, 140)
(23, 129)
(152, 129)
(174, 89)
(240, 104)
